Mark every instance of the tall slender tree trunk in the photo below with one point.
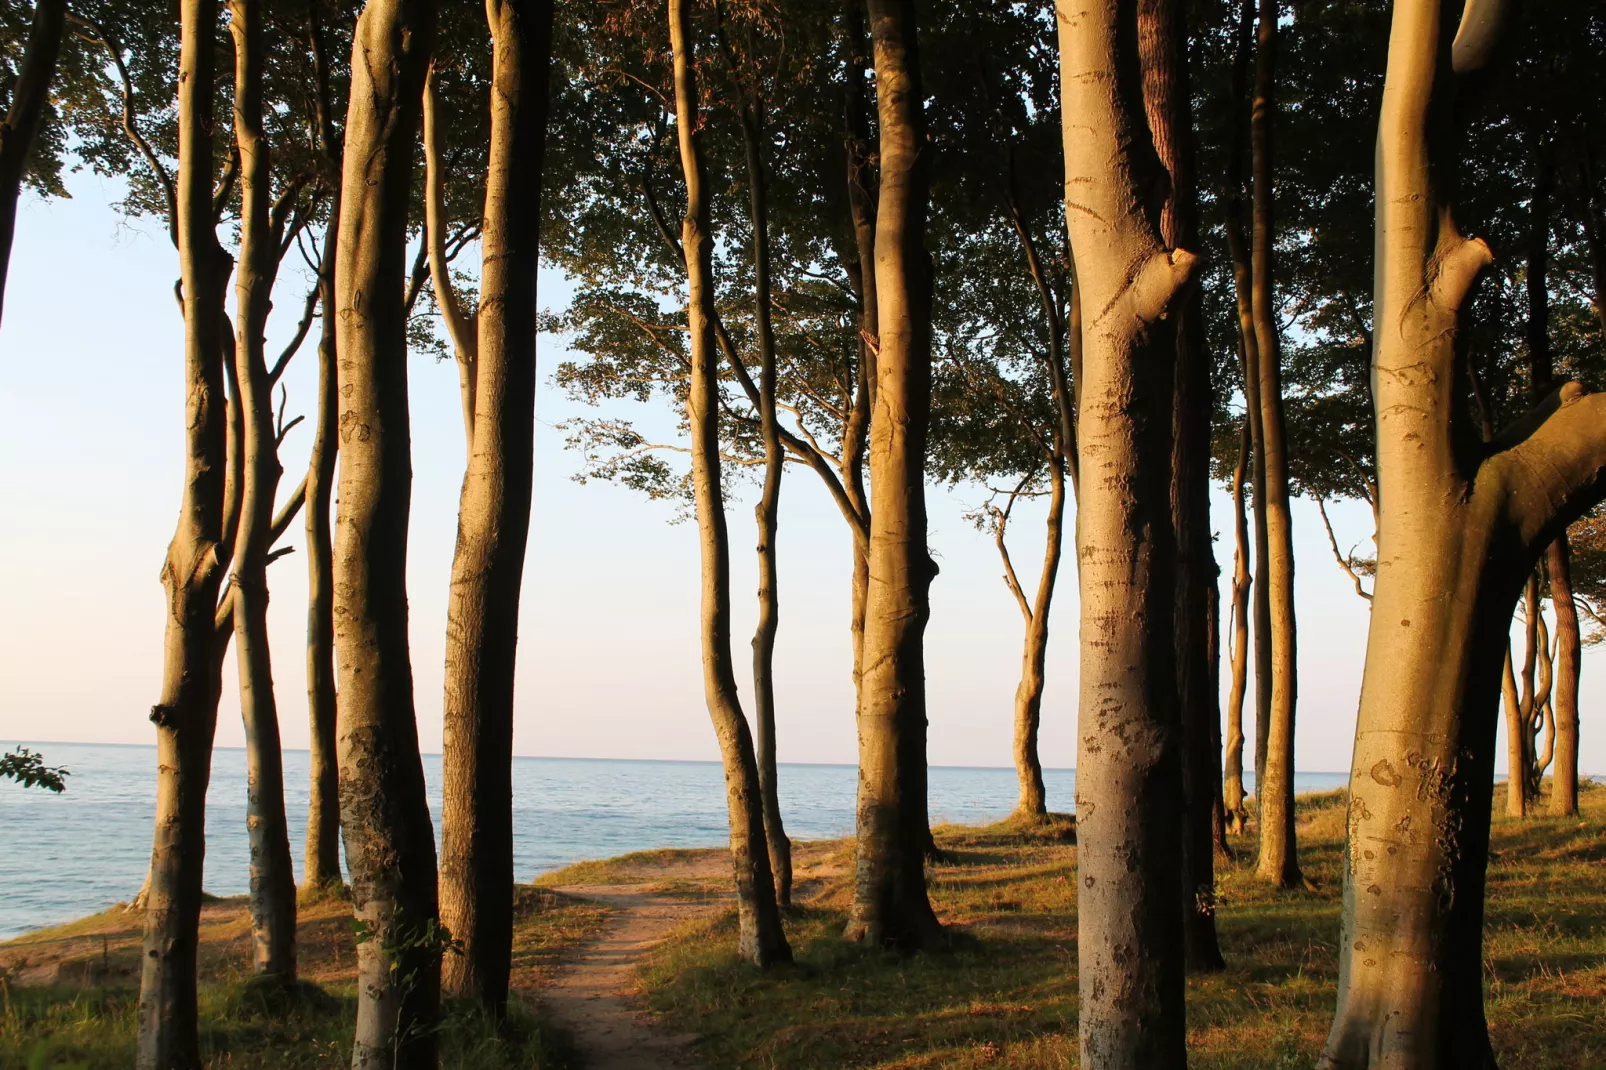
(1278, 860)
(1162, 41)
(494, 520)
(890, 907)
(390, 842)
(1461, 527)
(767, 512)
(1129, 758)
(321, 867)
(186, 713)
(273, 881)
(1564, 773)
(863, 189)
(1233, 788)
(30, 94)
(1243, 291)
(761, 939)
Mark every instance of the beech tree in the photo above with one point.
(185, 715)
(1461, 527)
(1129, 777)
(493, 519)
(390, 843)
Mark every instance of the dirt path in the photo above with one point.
(592, 998)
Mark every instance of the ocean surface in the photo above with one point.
(65, 856)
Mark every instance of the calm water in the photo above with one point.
(64, 856)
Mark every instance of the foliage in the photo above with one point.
(28, 768)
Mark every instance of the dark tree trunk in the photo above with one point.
(30, 94)
(321, 868)
(390, 842)
(1162, 40)
(186, 714)
(494, 520)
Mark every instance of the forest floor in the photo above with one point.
(629, 963)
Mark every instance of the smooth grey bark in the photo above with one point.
(273, 885)
(494, 520)
(761, 939)
(1129, 773)
(30, 95)
(186, 713)
(1233, 776)
(1564, 770)
(890, 907)
(390, 842)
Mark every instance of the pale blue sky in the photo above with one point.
(608, 663)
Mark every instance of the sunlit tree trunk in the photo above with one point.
(1564, 770)
(390, 842)
(890, 907)
(273, 882)
(1128, 769)
(186, 713)
(1278, 860)
(1233, 787)
(1461, 527)
(761, 940)
(30, 94)
(494, 519)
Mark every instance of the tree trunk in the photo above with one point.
(1461, 528)
(761, 939)
(1233, 789)
(1243, 287)
(1278, 861)
(273, 881)
(30, 94)
(494, 520)
(390, 842)
(321, 868)
(890, 907)
(186, 714)
(1129, 760)
(1162, 40)
(767, 512)
(1564, 772)
(1516, 742)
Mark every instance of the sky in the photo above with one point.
(91, 442)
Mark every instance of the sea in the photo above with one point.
(66, 856)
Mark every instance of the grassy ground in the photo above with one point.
(68, 995)
(1007, 996)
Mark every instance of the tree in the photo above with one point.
(30, 95)
(890, 907)
(761, 938)
(390, 843)
(1462, 525)
(1162, 47)
(1129, 777)
(493, 520)
(185, 715)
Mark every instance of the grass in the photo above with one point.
(68, 995)
(1006, 997)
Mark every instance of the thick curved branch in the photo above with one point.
(1550, 465)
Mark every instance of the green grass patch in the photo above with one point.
(1006, 996)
